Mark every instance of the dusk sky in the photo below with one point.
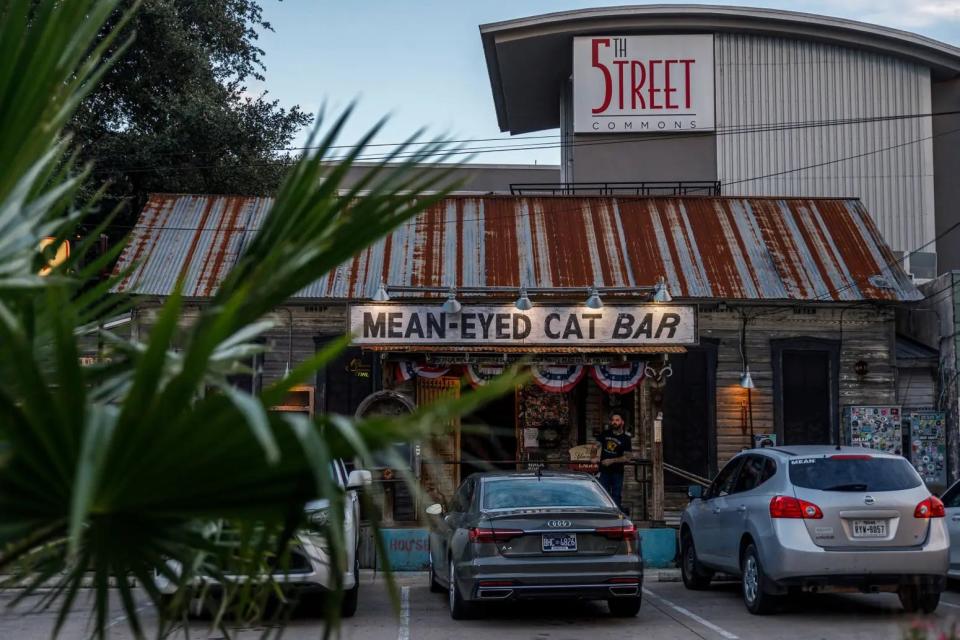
(422, 62)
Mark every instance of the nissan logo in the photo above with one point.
(560, 524)
(868, 500)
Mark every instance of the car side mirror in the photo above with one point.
(435, 509)
(359, 478)
(694, 491)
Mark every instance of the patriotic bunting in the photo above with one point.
(618, 378)
(558, 379)
(481, 374)
(408, 369)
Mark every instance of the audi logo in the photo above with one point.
(558, 523)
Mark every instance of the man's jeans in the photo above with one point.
(612, 481)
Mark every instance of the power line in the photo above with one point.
(577, 209)
(732, 130)
(760, 127)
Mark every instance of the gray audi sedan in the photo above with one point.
(513, 535)
(817, 518)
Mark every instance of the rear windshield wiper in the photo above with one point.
(856, 486)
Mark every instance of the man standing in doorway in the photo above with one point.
(615, 452)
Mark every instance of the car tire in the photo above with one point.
(351, 597)
(435, 586)
(916, 599)
(756, 599)
(695, 577)
(460, 609)
(624, 607)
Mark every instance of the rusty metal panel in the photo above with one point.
(707, 248)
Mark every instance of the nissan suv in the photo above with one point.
(817, 518)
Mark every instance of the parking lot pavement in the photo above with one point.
(669, 612)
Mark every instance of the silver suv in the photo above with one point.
(817, 518)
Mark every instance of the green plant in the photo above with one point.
(113, 470)
(923, 630)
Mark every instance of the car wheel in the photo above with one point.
(435, 586)
(459, 608)
(695, 577)
(624, 607)
(351, 597)
(757, 600)
(915, 599)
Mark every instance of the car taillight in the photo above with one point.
(493, 535)
(790, 507)
(851, 456)
(932, 507)
(627, 531)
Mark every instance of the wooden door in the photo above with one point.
(806, 397)
(441, 464)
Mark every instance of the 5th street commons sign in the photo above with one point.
(653, 324)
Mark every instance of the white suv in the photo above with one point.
(309, 566)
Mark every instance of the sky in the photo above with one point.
(421, 62)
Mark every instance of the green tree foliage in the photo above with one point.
(174, 115)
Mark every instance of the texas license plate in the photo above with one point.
(869, 529)
(559, 542)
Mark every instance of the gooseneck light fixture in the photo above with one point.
(452, 305)
(593, 299)
(523, 302)
(660, 291)
(381, 294)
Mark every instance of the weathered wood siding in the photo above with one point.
(917, 388)
(867, 334)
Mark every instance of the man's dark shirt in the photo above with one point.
(613, 446)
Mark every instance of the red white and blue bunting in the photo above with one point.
(618, 378)
(558, 379)
(481, 374)
(408, 369)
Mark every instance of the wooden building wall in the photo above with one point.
(865, 334)
(861, 333)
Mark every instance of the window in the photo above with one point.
(951, 499)
(461, 502)
(857, 474)
(769, 469)
(534, 493)
(723, 483)
(751, 474)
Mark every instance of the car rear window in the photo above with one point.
(853, 474)
(533, 493)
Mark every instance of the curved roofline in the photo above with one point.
(943, 59)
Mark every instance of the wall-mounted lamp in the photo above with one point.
(381, 294)
(452, 305)
(593, 300)
(746, 381)
(523, 302)
(660, 291)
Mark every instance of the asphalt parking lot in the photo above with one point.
(669, 612)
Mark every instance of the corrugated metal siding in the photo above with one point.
(713, 248)
(763, 80)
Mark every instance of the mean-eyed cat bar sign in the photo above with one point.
(646, 324)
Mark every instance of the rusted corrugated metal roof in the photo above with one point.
(800, 249)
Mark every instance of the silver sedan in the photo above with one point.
(534, 535)
(817, 518)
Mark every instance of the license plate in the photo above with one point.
(559, 542)
(869, 529)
